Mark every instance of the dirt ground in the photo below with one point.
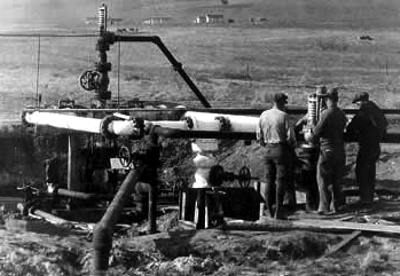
(38, 248)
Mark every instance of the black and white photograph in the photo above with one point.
(200, 137)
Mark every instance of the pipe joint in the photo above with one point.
(138, 124)
(224, 123)
(189, 122)
(105, 122)
(103, 66)
(178, 66)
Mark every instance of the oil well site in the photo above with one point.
(130, 137)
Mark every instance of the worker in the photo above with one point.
(278, 140)
(332, 158)
(368, 127)
(308, 153)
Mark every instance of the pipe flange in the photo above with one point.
(138, 123)
(103, 66)
(109, 37)
(189, 122)
(224, 123)
(23, 119)
(105, 122)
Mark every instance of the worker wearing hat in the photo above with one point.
(331, 161)
(278, 140)
(368, 127)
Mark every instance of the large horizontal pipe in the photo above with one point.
(102, 234)
(213, 121)
(64, 121)
(126, 127)
(226, 135)
(91, 125)
(177, 113)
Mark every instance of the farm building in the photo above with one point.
(157, 20)
(258, 20)
(214, 18)
(200, 19)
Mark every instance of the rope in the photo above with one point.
(38, 98)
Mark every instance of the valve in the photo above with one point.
(244, 177)
(217, 176)
(89, 80)
(124, 156)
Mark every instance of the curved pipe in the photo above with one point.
(102, 234)
(176, 65)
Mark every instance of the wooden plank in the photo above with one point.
(312, 225)
(335, 249)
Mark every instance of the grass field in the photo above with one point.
(228, 64)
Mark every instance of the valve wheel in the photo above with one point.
(124, 156)
(244, 177)
(89, 79)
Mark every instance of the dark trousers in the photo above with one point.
(312, 194)
(366, 171)
(277, 172)
(330, 169)
(290, 189)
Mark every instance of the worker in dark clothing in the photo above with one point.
(332, 159)
(278, 140)
(368, 127)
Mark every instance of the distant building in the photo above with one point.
(259, 20)
(201, 19)
(214, 18)
(157, 20)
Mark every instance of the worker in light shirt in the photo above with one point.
(278, 140)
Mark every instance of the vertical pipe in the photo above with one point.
(152, 163)
(73, 183)
(152, 215)
(182, 204)
(102, 234)
(201, 208)
(72, 177)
